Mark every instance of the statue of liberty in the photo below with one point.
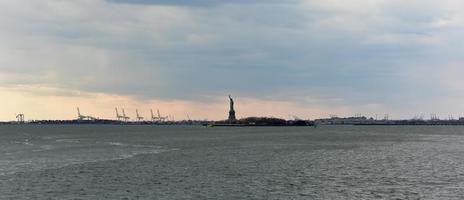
(231, 111)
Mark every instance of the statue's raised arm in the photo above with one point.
(231, 103)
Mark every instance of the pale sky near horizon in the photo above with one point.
(306, 58)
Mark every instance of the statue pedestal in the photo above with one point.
(232, 117)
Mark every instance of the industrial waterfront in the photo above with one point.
(123, 119)
(156, 118)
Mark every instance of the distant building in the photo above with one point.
(342, 121)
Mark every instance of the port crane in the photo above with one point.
(119, 117)
(84, 117)
(386, 117)
(126, 118)
(159, 117)
(122, 117)
(20, 118)
(139, 118)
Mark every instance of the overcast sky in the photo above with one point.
(310, 58)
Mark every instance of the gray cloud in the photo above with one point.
(360, 54)
(195, 3)
(167, 2)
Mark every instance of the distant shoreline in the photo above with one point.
(101, 122)
(250, 122)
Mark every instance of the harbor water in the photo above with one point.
(190, 162)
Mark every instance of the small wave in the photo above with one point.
(130, 155)
(67, 140)
(133, 145)
(25, 134)
(144, 146)
(116, 144)
(44, 148)
(25, 142)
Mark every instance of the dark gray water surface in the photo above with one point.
(144, 162)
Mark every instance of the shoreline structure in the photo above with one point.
(232, 121)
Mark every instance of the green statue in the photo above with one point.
(231, 111)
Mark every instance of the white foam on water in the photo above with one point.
(132, 145)
(116, 144)
(44, 148)
(27, 142)
(67, 140)
(125, 156)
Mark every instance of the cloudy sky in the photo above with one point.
(308, 58)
